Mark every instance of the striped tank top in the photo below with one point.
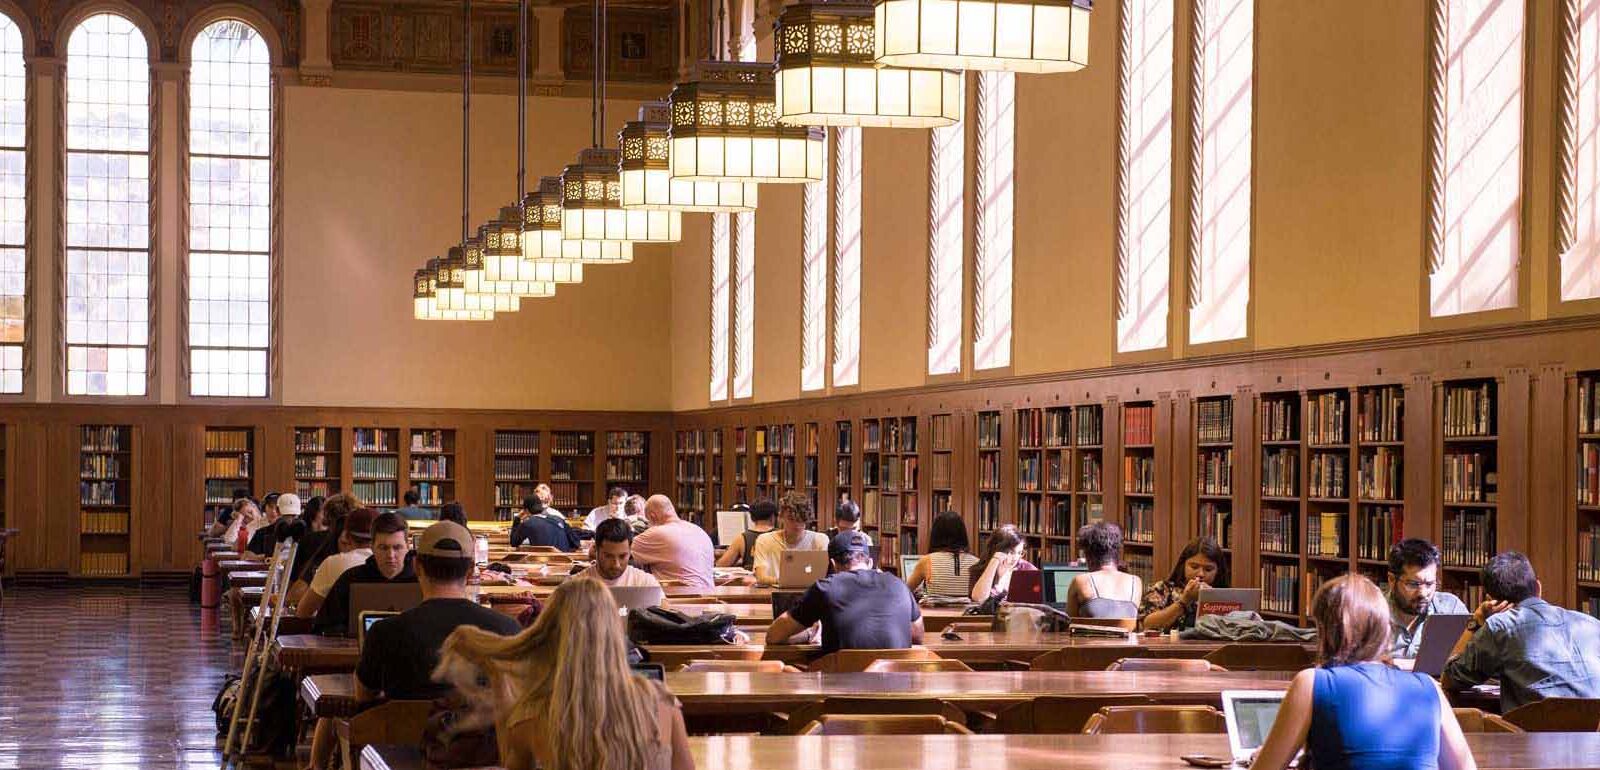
(948, 573)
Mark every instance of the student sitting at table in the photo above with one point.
(991, 573)
(741, 552)
(793, 534)
(561, 694)
(543, 526)
(286, 511)
(633, 513)
(611, 551)
(616, 500)
(943, 572)
(355, 547)
(675, 549)
(390, 562)
(1104, 591)
(452, 511)
(1536, 649)
(1355, 711)
(847, 518)
(1414, 594)
(261, 541)
(1171, 603)
(321, 541)
(858, 607)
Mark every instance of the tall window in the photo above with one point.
(947, 150)
(1580, 261)
(744, 304)
(13, 205)
(995, 224)
(1475, 138)
(814, 285)
(847, 257)
(1144, 205)
(230, 211)
(108, 200)
(719, 307)
(1219, 283)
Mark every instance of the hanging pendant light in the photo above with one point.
(591, 204)
(504, 270)
(543, 242)
(501, 301)
(646, 166)
(997, 35)
(450, 288)
(827, 76)
(424, 306)
(725, 129)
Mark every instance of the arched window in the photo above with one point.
(230, 211)
(108, 208)
(13, 205)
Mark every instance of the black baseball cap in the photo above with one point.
(847, 544)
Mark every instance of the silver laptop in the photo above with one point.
(388, 597)
(1439, 635)
(908, 564)
(1221, 601)
(800, 569)
(638, 597)
(1249, 714)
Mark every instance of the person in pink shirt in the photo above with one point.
(674, 549)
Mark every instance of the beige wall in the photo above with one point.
(1340, 149)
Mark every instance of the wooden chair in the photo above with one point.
(1056, 715)
(735, 666)
(856, 661)
(1475, 721)
(867, 705)
(884, 724)
(888, 666)
(1164, 664)
(397, 721)
(1557, 715)
(1085, 658)
(1264, 656)
(1155, 720)
(1126, 624)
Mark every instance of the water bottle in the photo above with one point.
(481, 550)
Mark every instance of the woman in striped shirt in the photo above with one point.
(944, 571)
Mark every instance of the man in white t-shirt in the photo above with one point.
(612, 549)
(792, 534)
(613, 509)
(355, 547)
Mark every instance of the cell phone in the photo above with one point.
(1205, 760)
(950, 635)
(654, 671)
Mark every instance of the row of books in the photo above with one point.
(871, 507)
(692, 498)
(768, 472)
(871, 470)
(314, 440)
(1379, 477)
(510, 494)
(1139, 474)
(1469, 410)
(374, 440)
(939, 426)
(432, 440)
(1468, 539)
(1468, 479)
(220, 491)
(1214, 474)
(1030, 476)
(99, 493)
(1138, 424)
(99, 466)
(527, 443)
(1325, 534)
(375, 467)
(566, 469)
(841, 474)
(940, 468)
(375, 492)
(1139, 523)
(843, 443)
(1326, 477)
(1277, 531)
(1380, 414)
(1030, 514)
(101, 564)
(871, 437)
(1214, 421)
(988, 430)
(1089, 473)
(1141, 564)
(989, 471)
(522, 468)
(103, 522)
(637, 469)
(1058, 427)
(691, 469)
(988, 511)
(1216, 522)
(1030, 428)
(1471, 594)
(1591, 606)
(632, 442)
(312, 465)
(567, 443)
(1327, 418)
(1058, 553)
(900, 435)
(431, 493)
(227, 440)
(237, 467)
(309, 489)
(1280, 473)
(1589, 473)
(564, 495)
(1280, 419)
(1089, 429)
(1589, 404)
(106, 438)
(1381, 527)
(1057, 470)
(1280, 586)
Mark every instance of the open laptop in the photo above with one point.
(1026, 587)
(908, 564)
(365, 623)
(1249, 714)
(1221, 601)
(800, 569)
(1439, 635)
(1057, 580)
(389, 597)
(638, 597)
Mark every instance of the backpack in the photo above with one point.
(275, 732)
(659, 625)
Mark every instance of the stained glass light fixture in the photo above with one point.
(827, 76)
(1008, 35)
(446, 295)
(504, 269)
(725, 129)
(591, 204)
(472, 256)
(647, 181)
(542, 241)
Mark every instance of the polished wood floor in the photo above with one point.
(109, 677)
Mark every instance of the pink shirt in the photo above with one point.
(678, 551)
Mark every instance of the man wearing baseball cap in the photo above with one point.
(857, 606)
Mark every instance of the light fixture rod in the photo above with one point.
(522, 99)
(466, 118)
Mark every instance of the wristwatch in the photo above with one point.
(1474, 624)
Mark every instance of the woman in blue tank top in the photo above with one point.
(1354, 711)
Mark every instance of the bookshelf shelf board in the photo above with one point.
(365, 453)
(429, 453)
(431, 478)
(1372, 562)
(1138, 544)
(529, 453)
(102, 478)
(1376, 501)
(1067, 538)
(1138, 446)
(226, 452)
(1337, 500)
(1138, 494)
(1058, 492)
(1341, 560)
(1381, 443)
(122, 533)
(1282, 442)
(1470, 439)
(1279, 554)
(1589, 508)
(374, 478)
(316, 478)
(1214, 444)
(1593, 585)
(1089, 447)
(314, 452)
(1027, 491)
(1449, 504)
(115, 506)
(1289, 616)
(106, 452)
(1464, 568)
(1214, 497)
(1272, 499)
(1030, 448)
(1330, 447)
(1589, 436)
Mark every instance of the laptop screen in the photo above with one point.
(1254, 717)
(1057, 579)
(908, 564)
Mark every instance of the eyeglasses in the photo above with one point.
(1418, 585)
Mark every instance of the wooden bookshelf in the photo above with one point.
(1329, 504)
(714, 496)
(1587, 493)
(105, 500)
(628, 460)
(1468, 474)
(844, 460)
(941, 463)
(432, 466)
(1088, 463)
(1139, 487)
(375, 465)
(228, 456)
(741, 464)
(1214, 479)
(1280, 521)
(1059, 531)
(689, 458)
(516, 469)
(873, 488)
(989, 460)
(3, 467)
(902, 444)
(775, 460)
(1379, 476)
(1029, 508)
(572, 471)
(317, 455)
(810, 469)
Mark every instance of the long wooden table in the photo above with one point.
(1494, 751)
(740, 692)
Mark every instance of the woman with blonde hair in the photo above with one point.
(561, 693)
(1354, 710)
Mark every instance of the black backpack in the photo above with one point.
(659, 625)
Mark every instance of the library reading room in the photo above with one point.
(736, 384)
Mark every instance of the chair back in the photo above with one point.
(868, 705)
(1476, 721)
(884, 724)
(1092, 658)
(1264, 656)
(856, 661)
(1155, 720)
(890, 666)
(1557, 715)
(1126, 624)
(1197, 665)
(1058, 715)
(750, 666)
(396, 721)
